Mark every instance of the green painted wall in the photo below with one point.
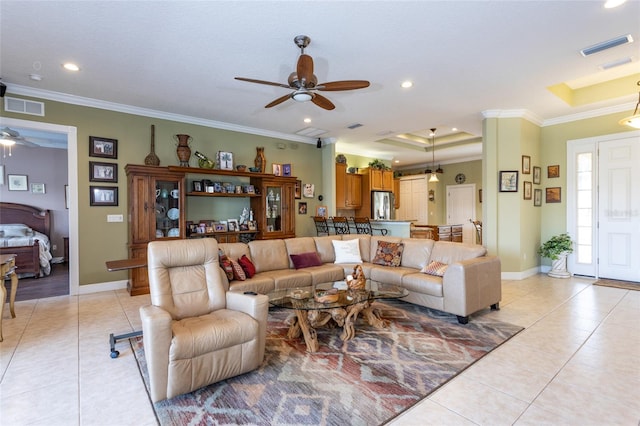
(101, 241)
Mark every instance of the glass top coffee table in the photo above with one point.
(333, 301)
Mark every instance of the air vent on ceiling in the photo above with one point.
(23, 106)
(311, 132)
(354, 126)
(616, 63)
(606, 45)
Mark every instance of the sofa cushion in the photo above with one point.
(423, 283)
(297, 246)
(449, 252)
(347, 251)
(288, 278)
(348, 268)
(235, 250)
(388, 254)
(247, 266)
(325, 273)
(416, 252)
(435, 268)
(324, 247)
(387, 275)
(269, 255)
(305, 260)
(260, 284)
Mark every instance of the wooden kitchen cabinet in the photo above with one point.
(348, 188)
(381, 180)
(155, 212)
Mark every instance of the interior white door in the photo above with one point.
(619, 209)
(461, 208)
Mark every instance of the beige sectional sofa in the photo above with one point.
(470, 283)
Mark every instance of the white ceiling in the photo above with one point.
(464, 57)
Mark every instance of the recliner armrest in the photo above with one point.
(255, 305)
(156, 335)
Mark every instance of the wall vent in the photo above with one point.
(354, 126)
(23, 106)
(616, 63)
(606, 45)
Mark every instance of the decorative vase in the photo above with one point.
(152, 159)
(260, 161)
(559, 267)
(183, 150)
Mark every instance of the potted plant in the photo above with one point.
(557, 248)
(378, 165)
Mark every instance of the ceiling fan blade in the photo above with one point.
(322, 102)
(334, 86)
(278, 101)
(251, 80)
(305, 69)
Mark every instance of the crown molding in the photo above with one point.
(528, 115)
(128, 109)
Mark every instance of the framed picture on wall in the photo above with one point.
(553, 195)
(17, 182)
(298, 190)
(527, 190)
(536, 175)
(321, 211)
(302, 207)
(537, 197)
(553, 171)
(526, 164)
(103, 147)
(103, 195)
(103, 172)
(509, 181)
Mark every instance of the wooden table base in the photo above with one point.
(307, 321)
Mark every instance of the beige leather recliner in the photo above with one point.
(196, 332)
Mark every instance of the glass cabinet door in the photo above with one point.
(274, 209)
(167, 208)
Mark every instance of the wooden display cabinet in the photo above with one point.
(155, 212)
(274, 208)
(348, 188)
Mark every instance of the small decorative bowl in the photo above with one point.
(327, 296)
(254, 169)
(300, 294)
(241, 167)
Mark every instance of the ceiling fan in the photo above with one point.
(305, 84)
(10, 137)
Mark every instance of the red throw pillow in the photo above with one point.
(238, 273)
(225, 263)
(247, 266)
(305, 260)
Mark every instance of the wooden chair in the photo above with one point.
(363, 226)
(322, 228)
(341, 225)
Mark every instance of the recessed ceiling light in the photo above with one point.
(397, 161)
(454, 129)
(610, 4)
(71, 67)
(307, 120)
(406, 84)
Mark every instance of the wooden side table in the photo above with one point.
(8, 268)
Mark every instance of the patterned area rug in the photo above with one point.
(627, 285)
(365, 381)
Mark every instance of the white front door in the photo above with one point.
(619, 209)
(461, 209)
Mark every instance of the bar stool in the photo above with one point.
(341, 225)
(322, 228)
(363, 226)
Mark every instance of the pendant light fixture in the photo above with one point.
(634, 120)
(434, 177)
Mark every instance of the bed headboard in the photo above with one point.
(33, 217)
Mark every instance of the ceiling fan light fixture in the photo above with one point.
(7, 142)
(633, 120)
(434, 178)
(301, 96)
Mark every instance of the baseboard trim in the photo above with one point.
(522, 274)
(97, 288)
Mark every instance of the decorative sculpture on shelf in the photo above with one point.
(183, 150)
(152, 159)
(260, 161)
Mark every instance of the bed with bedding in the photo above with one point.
(24, 231)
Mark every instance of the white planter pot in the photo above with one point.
(559, 267)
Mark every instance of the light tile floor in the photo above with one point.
(574, 364)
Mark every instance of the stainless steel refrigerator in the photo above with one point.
(382, 205)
